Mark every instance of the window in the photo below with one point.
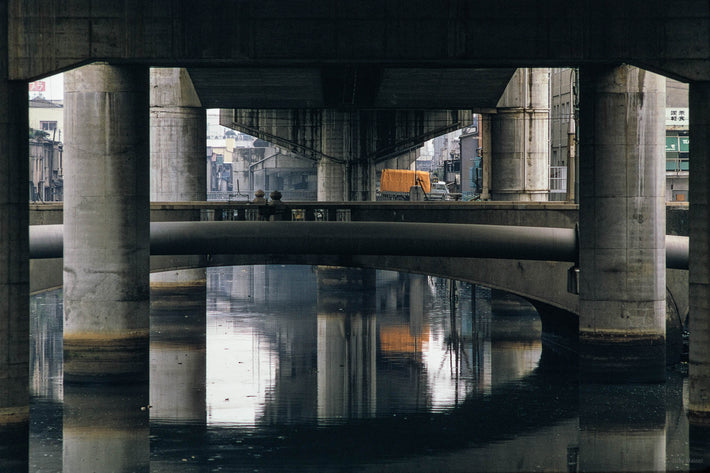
(48, 126)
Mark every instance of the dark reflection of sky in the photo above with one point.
(304, 371)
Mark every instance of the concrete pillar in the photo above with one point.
(332, 172)
(14, 252)
(348, 176)
(331, 181)
(699, 271)
(486, 148)
(106, 224)
(178, 129)
(361, 178)
(520, 157)
(402, 161)
(622, 225)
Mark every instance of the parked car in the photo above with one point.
(439, 191)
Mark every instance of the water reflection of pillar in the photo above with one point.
(461, 340)
(106, 428)
(46, 345)
(251, 282)
(14, 446)
(416, 303)
(622, 428)
(347, 339)
(177, 345)
(483, 348)
(699, 446)
(516, 334)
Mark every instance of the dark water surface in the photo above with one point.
(331, 370)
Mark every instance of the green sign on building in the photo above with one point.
(675, 144)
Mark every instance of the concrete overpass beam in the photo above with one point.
(178, 127)
(699, 356)
(520, 133)
(14, 251)
(106, 249)
(622, 224)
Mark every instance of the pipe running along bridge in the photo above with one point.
(537, 263)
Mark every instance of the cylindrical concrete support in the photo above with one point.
(484, 130)
(178, 127)
(699, 277)
(348, 176)
(361, 178)
(106, 224)
(622, 224)
(331, 181)
(520, 158)
(14, 251)
(334, 143)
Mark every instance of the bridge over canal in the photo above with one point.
(530, 251)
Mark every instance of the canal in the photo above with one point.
(323, 369)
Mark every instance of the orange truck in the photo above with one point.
(395, 184)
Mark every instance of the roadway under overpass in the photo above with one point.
(359, 56)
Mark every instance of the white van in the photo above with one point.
(439, 191)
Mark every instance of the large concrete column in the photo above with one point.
(106, 224)
(520, 157)
(331, 181)
(14, 266)
(178, 129)
(361, 177)
(349, 176)
(622, 224)
(484, 130)
(334, 143)
(14, 251)
(699, 355)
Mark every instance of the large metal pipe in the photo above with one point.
(356, 238)
(677, 252)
